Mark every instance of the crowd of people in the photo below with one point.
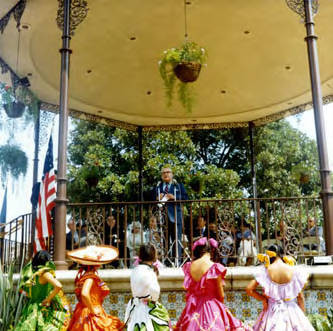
(47, 308)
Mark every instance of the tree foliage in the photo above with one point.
(210, 163)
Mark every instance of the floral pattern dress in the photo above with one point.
(35, 316)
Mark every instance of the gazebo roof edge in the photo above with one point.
(179, 127)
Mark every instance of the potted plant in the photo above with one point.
(15, 102)
(181, 66)
(12, 106)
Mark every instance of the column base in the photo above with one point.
(61, 265)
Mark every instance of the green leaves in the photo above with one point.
(13, 161)
(189, 52)
(320, 323)
(286, 162)
(11, 300)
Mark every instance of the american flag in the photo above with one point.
(46, 201)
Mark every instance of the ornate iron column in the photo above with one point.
(254, 186)
(69, 16)
(307, 9)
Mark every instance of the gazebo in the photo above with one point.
(257, 69)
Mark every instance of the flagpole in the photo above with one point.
(61, 201)
(35, 177)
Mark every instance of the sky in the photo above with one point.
(19, 191)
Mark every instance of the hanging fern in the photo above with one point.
(12, 161)
(189, 52)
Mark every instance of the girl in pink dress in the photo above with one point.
(205, 309)
(282, 298)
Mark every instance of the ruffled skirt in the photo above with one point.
(281, 315)
(146, 316)
(84, 320)
(36, 317)
(210, 314)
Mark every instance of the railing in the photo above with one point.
(293, 223)
(15, 241)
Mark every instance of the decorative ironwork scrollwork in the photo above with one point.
(46, 121)
(292, 229)
(79, 10)
(17, 12)
(225, 230)
(156, 232)
(298, 7)
(95, 226)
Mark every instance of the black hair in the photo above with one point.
(147, 253)
(278, 250)
(40, 259)
(200, 250)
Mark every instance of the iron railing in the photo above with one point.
(242, 228)
(293, 223)
(15, 241)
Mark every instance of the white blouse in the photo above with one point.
(144, 283)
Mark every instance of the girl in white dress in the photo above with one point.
(144, 312)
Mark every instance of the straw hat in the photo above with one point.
(94, 255)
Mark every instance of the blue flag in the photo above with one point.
(3, 214)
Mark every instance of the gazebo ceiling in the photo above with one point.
(257, 66)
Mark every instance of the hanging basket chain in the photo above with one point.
(185, 21)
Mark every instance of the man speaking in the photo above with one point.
(170, 190)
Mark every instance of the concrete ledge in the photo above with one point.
(172, 279)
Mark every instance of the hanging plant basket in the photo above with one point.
(178, 67)
(14, 109)
(13, 161)
(187, 72)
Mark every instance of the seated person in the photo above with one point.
(212, 230)
(82, 230)
(200, 230)
(315, 231)
(72, 237)
(152, 235)
(247, 252)
(134, 239)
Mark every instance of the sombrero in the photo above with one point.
(94, 255)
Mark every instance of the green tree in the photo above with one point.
(211, 163)
(114, 151)
(287, 161)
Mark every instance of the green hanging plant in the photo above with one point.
(12, 161)
(15, 102)
(181, 66)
